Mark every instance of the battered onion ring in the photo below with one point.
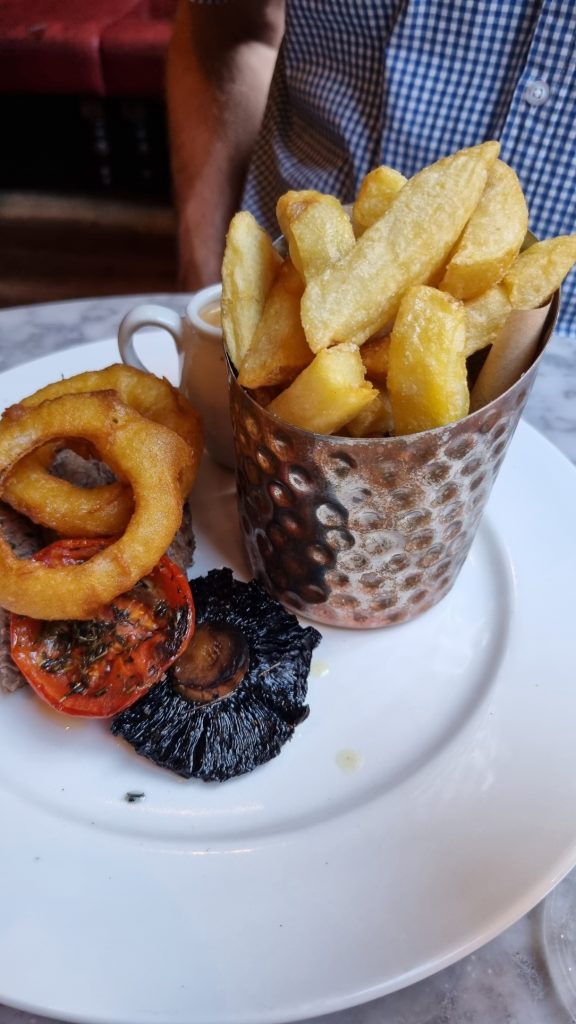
(69, 510)
(104, 510)
(152, 458)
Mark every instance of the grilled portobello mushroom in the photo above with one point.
(237, 693)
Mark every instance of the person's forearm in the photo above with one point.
(220, 63)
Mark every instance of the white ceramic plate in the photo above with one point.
(420, 809)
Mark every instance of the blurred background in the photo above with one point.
(85, 202)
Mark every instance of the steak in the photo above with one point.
(25, 538)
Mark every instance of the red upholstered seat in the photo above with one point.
(82, 96)
(86, 47)
(133, 50)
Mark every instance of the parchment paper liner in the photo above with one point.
(510, 356)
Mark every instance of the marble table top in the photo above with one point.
(507, 981)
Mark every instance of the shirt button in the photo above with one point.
(536, 93)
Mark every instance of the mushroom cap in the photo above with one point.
(249, 726)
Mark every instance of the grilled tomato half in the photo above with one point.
(98, 667)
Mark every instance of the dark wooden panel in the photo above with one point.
(58, 247)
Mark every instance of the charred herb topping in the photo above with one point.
(98, 667)
(73, 647)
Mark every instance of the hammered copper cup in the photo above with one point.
(370, 532)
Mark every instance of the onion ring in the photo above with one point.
(152, 458)
(69, 510)
(104, 510)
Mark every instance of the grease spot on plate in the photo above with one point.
(349, 761)
(319, 668)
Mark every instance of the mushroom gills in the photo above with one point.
(259, 692)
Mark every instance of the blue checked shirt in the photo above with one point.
(403, 82)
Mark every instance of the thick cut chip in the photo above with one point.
(279, 349)
(485, 318)
(427, 379)
(249, 267)
(317, 229)
(375, 420)
(492, 238)
(375, 354)
(539, 271)
(375, 194)
(328, 393)
(359, 296)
